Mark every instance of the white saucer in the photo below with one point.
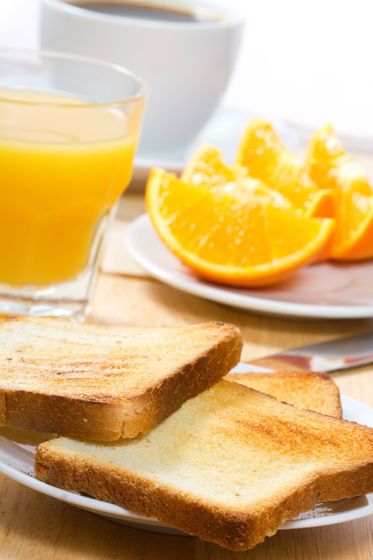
(323, 291)
(17, 462)
(224, 130)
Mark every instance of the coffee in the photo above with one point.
(151, 11)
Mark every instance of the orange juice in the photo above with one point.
(63, 166)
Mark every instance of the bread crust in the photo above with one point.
(231, 528)
(96, 421)
(108, 418)
(309, 390)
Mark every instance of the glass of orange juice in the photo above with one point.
(69, 128)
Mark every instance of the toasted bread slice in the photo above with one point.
(304, 389)
(104, 383)
(230, 466)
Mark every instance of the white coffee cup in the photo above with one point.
(187, 66)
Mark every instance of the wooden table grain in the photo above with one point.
(35, 527)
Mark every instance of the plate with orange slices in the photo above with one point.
(270, 232)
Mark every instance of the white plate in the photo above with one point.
(339, 291)
(17, 462)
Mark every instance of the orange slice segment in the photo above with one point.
(231, 236)
(266, 158)
(207, 167)
(353, 239)
(330, 165)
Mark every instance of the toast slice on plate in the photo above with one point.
(103, 383)
(230, 466)
(304, 389)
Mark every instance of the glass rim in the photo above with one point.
(13, 53)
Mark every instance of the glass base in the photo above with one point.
(68, 300)
(64, 309)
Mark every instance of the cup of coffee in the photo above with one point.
(184, 49)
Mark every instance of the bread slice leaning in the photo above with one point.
(304, 389)
(104, 383)
(230, 466)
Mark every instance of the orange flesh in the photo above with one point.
(232, 236)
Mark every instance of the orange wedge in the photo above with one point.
(330, 165)
(266, 158)
(207, 167)
(230, 236)
(353, 239)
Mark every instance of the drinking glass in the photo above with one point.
(69, 128)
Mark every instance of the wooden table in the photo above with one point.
(35, 527)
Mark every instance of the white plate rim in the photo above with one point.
(115, 512)
(221, 295)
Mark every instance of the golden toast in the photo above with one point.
(104, 383)
(304, 389)
(230, 466)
